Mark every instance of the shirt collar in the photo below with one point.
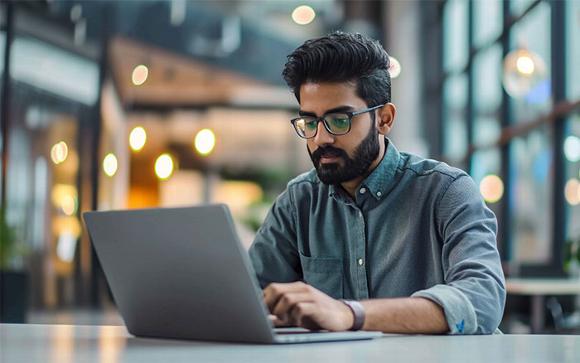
(382, 178)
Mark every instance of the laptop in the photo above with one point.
(182, 273)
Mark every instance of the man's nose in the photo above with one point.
(323, 137)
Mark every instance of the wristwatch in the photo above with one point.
(358, 312)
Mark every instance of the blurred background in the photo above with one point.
(135, 104)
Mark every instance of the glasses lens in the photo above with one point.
(306, 126)
(338, 123)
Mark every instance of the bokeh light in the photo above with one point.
(59, 152)
(523, 71)
(303, 15)
(204, 142)
(68, 205)
(572, 148)
(572, 191)
(140, 74)
(110, 164)
(137, 138)
(164, 166)
(491, 188)
(525, 65)
(394, 67)
(64, 197)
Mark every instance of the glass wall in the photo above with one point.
(531, 93)
(454, 115)
(52, 90)
(572, 137)
(532, 186)
(487, 95)
(504, 62)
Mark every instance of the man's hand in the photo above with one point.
(302, 305)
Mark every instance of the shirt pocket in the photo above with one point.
(323, 273)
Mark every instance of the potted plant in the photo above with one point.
(572, 258)
(13, 281)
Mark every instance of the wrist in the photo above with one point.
(358, 314)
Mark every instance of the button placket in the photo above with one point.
(360, 262)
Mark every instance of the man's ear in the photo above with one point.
(386, 118)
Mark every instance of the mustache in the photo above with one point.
(328, 151)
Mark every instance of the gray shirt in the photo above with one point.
(417, 227)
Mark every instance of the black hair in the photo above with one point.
(342, 57)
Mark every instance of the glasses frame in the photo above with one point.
(322, 119)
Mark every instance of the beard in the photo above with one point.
(350, 168)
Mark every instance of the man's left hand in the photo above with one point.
(299, 304)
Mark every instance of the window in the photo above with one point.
(455, 51)
(488, 21)
(532, 33)
(455, 131)
(573, 122)
(532, 197)
(487, 94)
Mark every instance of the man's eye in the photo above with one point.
(340, 122)
(311, 125)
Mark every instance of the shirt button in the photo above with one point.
(360, 262)
(379, 194)
(363, 190)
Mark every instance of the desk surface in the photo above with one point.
(543, 286)
(68, 343)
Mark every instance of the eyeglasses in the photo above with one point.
(336, 123)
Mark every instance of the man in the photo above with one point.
(407, 242)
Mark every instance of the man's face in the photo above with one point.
(339, 159)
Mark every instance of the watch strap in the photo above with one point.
(358, 312)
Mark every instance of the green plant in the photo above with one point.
(572, 256)
(10, 248)
(255, 214)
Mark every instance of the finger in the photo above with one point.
(287, 302)
(273, 292)
(303, 315)
(277, 322)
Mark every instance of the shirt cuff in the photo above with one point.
(459, 311)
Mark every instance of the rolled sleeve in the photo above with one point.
(473, 296)
(459, 312)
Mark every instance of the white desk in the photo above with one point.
(112, 344)
(538, 289)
